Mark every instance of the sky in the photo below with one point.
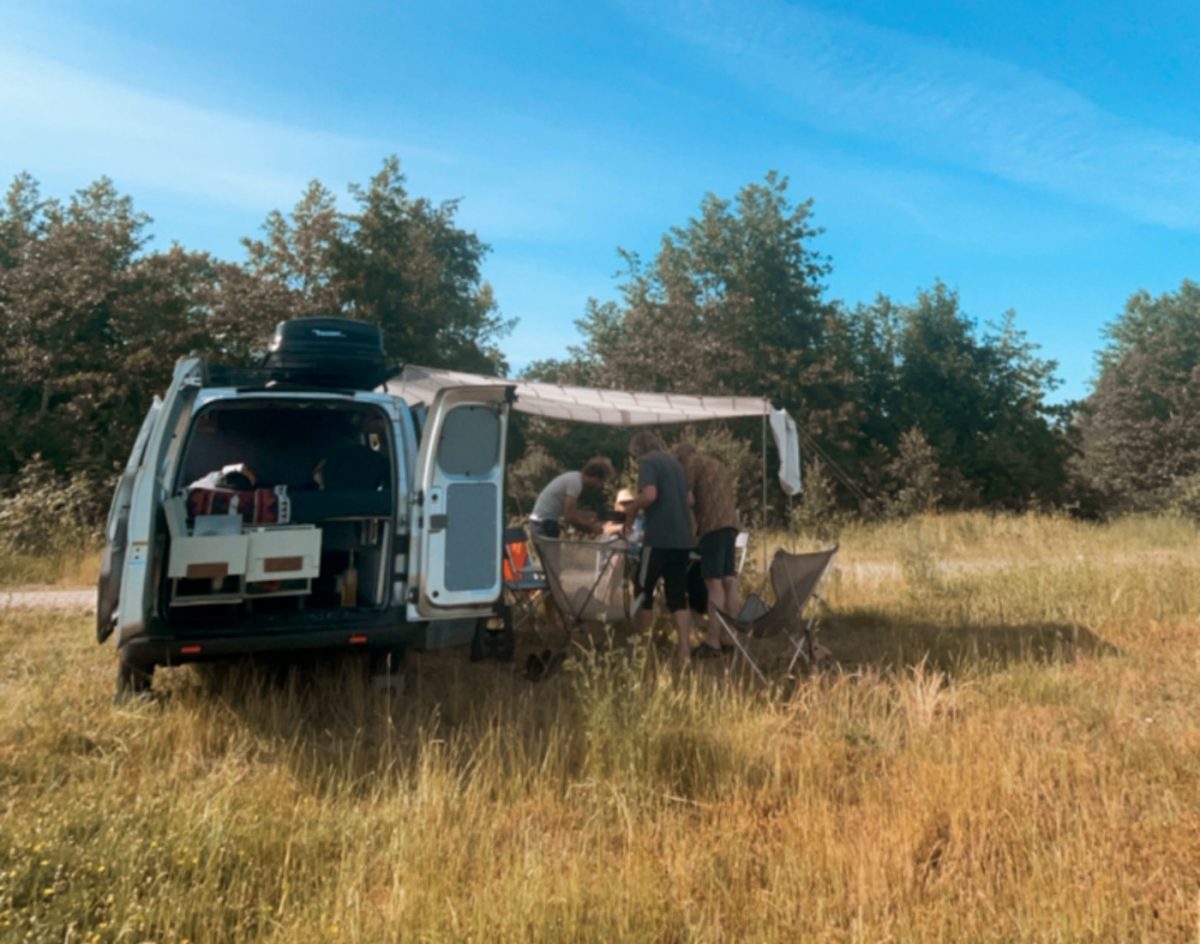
(1042, 157)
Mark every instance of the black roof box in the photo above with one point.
(328, 352)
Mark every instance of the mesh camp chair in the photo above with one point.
(795, 579)
(524, 581)
(587, 579)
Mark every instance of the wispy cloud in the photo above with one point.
(57, 119)
(60, 121)
(939, 102)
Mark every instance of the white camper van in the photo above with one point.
(295, 507)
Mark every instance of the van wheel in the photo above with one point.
(134, 679)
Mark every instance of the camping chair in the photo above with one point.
(795, 579)
(586, 579)
(524, 582)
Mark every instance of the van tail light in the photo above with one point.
(189, 650)
(357, 640)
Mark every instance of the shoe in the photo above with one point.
(535, 665)
(705, 651)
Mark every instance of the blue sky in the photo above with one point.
(1043, 157)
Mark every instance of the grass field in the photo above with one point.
(75, 569)
(1006, 747)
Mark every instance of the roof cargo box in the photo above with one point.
(328, 352)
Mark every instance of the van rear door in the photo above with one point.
(116, 531)
(137, 594)
(458, 513)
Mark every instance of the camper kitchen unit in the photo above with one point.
(295, 507)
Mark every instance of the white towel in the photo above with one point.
(787, 441)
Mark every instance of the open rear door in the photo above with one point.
(148, 489)
(116, 532)
(458, 513)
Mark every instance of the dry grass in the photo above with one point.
(81, 568)
(1005, 753)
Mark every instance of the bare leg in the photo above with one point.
(683, 629)
(733, 595)
(716, 601)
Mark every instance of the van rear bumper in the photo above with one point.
(176, 648)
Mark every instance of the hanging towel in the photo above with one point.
(787, 441)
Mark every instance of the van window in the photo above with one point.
(470, 443)
(283, 443)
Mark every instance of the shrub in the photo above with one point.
(817, 512)
(48, 515)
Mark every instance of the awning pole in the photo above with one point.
(764, 486)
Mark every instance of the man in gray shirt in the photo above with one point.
(556, 504)
(663, 493)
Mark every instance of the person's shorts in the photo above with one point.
(670, 564)
(718, 554)
(545, 527)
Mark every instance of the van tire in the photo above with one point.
(134, 679)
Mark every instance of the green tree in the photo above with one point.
(915, 475)
(407, 267)
(979, 400)
(732, 303)
(89, 324)
(400, 262)
(1140, 427)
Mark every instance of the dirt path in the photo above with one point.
(60, 598)
(84, 598)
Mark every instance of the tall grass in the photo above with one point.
(1003, 754)
(76, 567)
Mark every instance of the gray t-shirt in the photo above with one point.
(552, 498)
(668, 521)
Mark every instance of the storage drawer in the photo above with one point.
(288, 552)
(207, 556)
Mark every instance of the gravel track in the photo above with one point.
(84, 598)
(61, 598)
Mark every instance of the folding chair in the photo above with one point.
(795, 579)
(524, 581)
(586, 578)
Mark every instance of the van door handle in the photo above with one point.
(438, 523)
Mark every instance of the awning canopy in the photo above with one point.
(610, 407)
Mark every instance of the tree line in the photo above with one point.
(905, 406)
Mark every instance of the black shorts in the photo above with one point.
(671, 564)
(545, 527)
(718, 554)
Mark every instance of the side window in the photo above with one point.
(470, 442)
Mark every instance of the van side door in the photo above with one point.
(138, 594)
(458, 514)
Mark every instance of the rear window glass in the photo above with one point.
(470, 441)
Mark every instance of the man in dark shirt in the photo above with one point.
(715, 507)
(663, 494)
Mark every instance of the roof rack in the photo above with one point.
(331, 377)
(321, 352)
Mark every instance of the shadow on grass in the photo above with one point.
(336, 730)
(862, 639)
